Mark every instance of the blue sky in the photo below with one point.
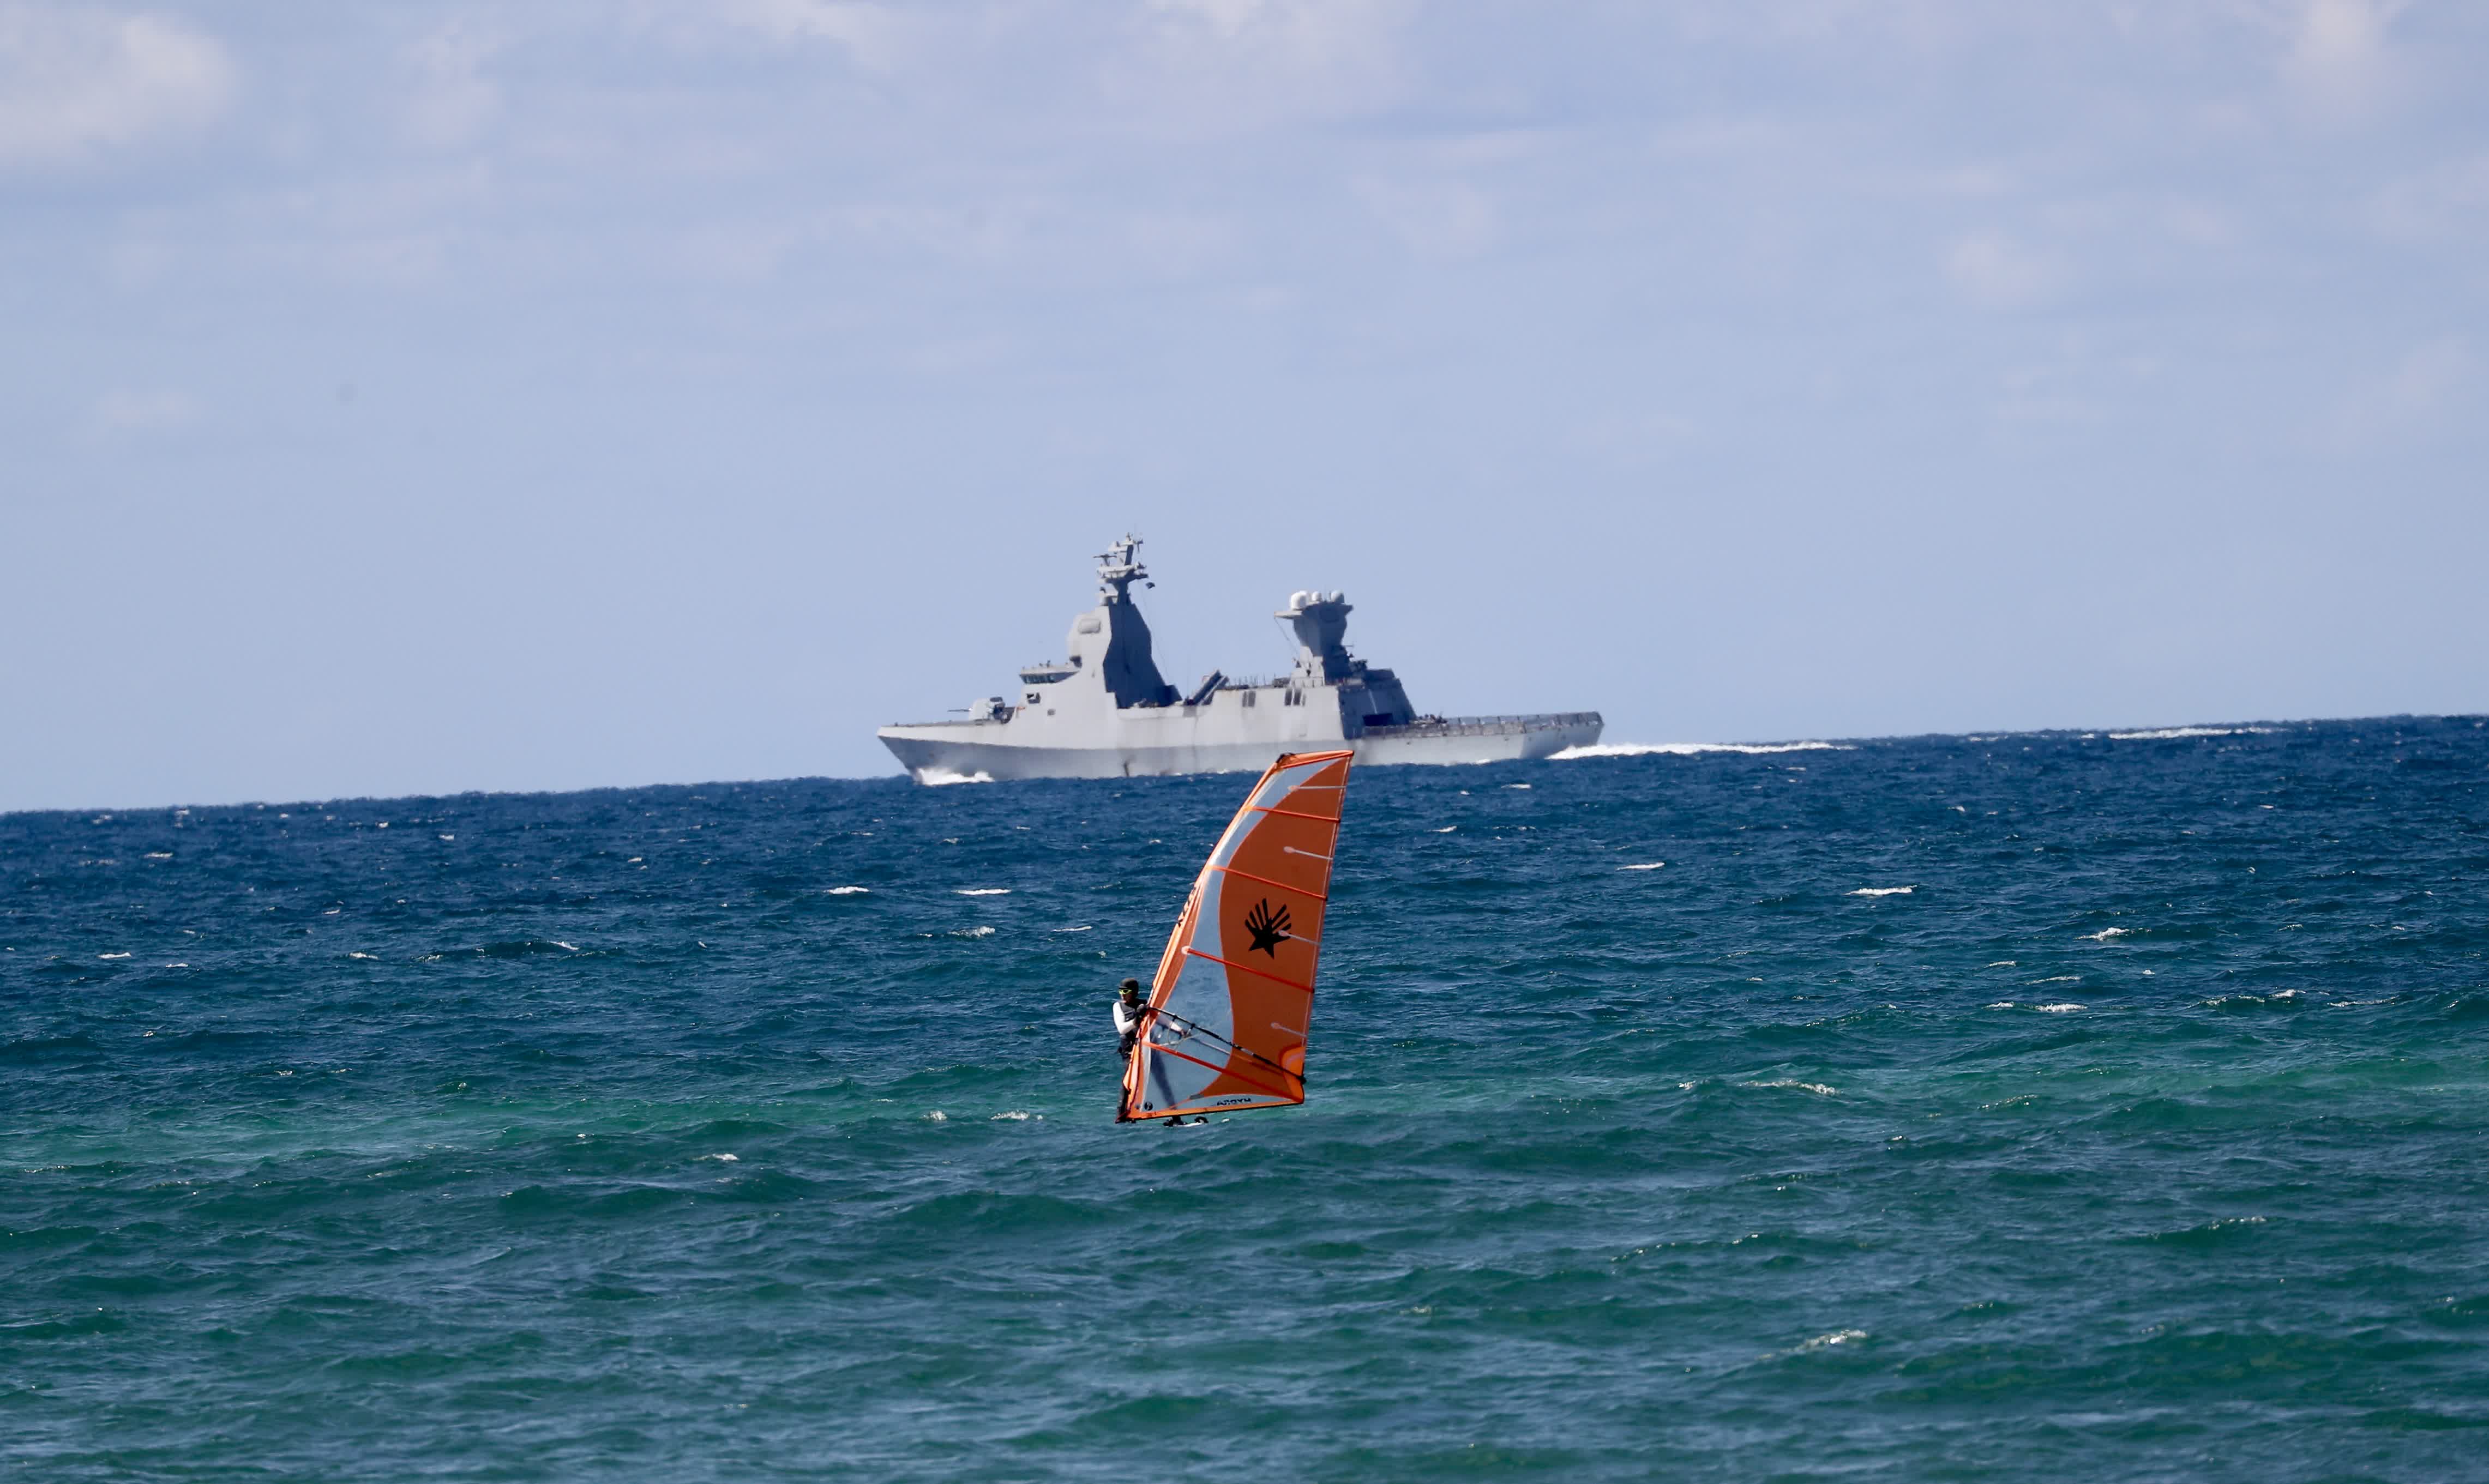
(429, 396)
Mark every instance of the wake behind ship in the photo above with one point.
(1105, 711)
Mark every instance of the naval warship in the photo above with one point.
(1105, 711)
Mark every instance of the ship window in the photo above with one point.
(1378, 719)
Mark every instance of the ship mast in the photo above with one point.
(1118, 566)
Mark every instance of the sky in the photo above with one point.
(431, 396)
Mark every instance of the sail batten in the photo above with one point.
(1246, 968)
(1267, 881)
(1232, 1006)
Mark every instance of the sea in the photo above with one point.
(2060, 1106)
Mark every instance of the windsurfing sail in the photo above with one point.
(1233, 997)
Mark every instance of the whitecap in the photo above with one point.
(1690, 749)
(1014, 1116)
(2106, 933)
(1823, 1089)
(1884, 891)
(2002, 1004)
(166, 855)
(1516, 785)
(444, 837)
(558, 943)
(974, 933)
(938, 777)
(1082, 927)
(1647, 865)
(845, 890)
(2063, 1007)
(375, 958)
(2002, 964)
(983, 890)
(722, 1158)
(2059, 978)
(112, 955)
(937, 1115)
(1448, 829)
(1836, 1337)
(2172, 733)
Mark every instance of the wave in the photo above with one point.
(1821, 1088)
(1689, 749)
(845, 891)
(2172, 733)
(937, 776)
(983, 890)
(1884, 891)
(1649, 865)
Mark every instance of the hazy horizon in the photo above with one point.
(1606, 749)
(443, 398)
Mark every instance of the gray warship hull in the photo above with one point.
(1104, 711)
(971, 752)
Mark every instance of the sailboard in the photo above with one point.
(1234, 998)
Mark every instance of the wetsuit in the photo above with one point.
(1128, 1026)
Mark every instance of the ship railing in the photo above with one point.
(1487, 725)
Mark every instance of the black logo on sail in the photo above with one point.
(1269, 928)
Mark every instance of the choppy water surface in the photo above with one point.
(2049, 1107)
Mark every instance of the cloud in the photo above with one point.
(1259, 62)
(2000, 272)
(2447, 200)
(78, 83)
(871, 34)
(124, 411)
(452, 100)
(2338, 57)
(1434, 219)
(2428, 380)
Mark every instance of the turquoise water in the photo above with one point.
(2135, 1130)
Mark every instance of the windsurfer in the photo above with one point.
(1130, 1012)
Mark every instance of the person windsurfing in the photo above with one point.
(1224, 1026)
(1130, 1012)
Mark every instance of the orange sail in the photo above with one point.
(1233, 996)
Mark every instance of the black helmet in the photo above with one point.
(1130, 987)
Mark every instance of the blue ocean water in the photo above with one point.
(2045, 1107)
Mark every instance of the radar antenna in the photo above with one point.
(1118, 566)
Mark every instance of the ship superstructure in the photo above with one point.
(1104, 711)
